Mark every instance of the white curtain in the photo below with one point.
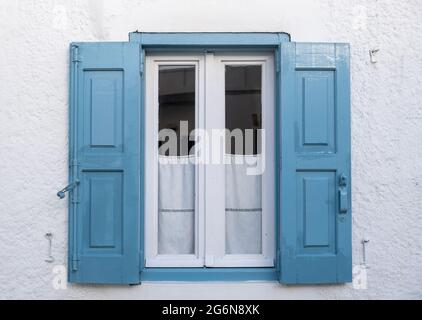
(176, 206)
(243, 206)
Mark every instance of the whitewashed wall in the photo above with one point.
(386, 132)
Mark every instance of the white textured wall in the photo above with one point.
(386, 131)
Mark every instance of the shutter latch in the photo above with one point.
(62, 193)
(343, 196)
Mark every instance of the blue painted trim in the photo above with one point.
(209, 274)
(209, 39)
(201, 50)
(277, 162)
(72, 100)
(142, 159)
(150, 41)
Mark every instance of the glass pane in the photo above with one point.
(176, 174)
(243, 186)
(243, 108)
(177, 106)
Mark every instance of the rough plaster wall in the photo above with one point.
(386, 132)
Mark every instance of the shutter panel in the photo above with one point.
(315, 164)
(104, 219)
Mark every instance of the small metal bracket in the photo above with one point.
(50, 258)
(342, 180)
(373, 55)
(364, 242)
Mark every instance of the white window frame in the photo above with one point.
(152, 258)
(215, 182)
(210, 179)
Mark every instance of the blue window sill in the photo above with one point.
(209, 274)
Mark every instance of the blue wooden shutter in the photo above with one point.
(104, 219)
(315, 198)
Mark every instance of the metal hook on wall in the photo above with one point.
(373, 55)
(364, 242)
(50, 257)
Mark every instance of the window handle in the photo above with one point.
(62, 193)
(343, 194)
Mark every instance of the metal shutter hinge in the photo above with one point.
(141, 69)
(75, 261)
(142, 62)
(277, 61)
(277, 258)
(75, 54)
(73, 163)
